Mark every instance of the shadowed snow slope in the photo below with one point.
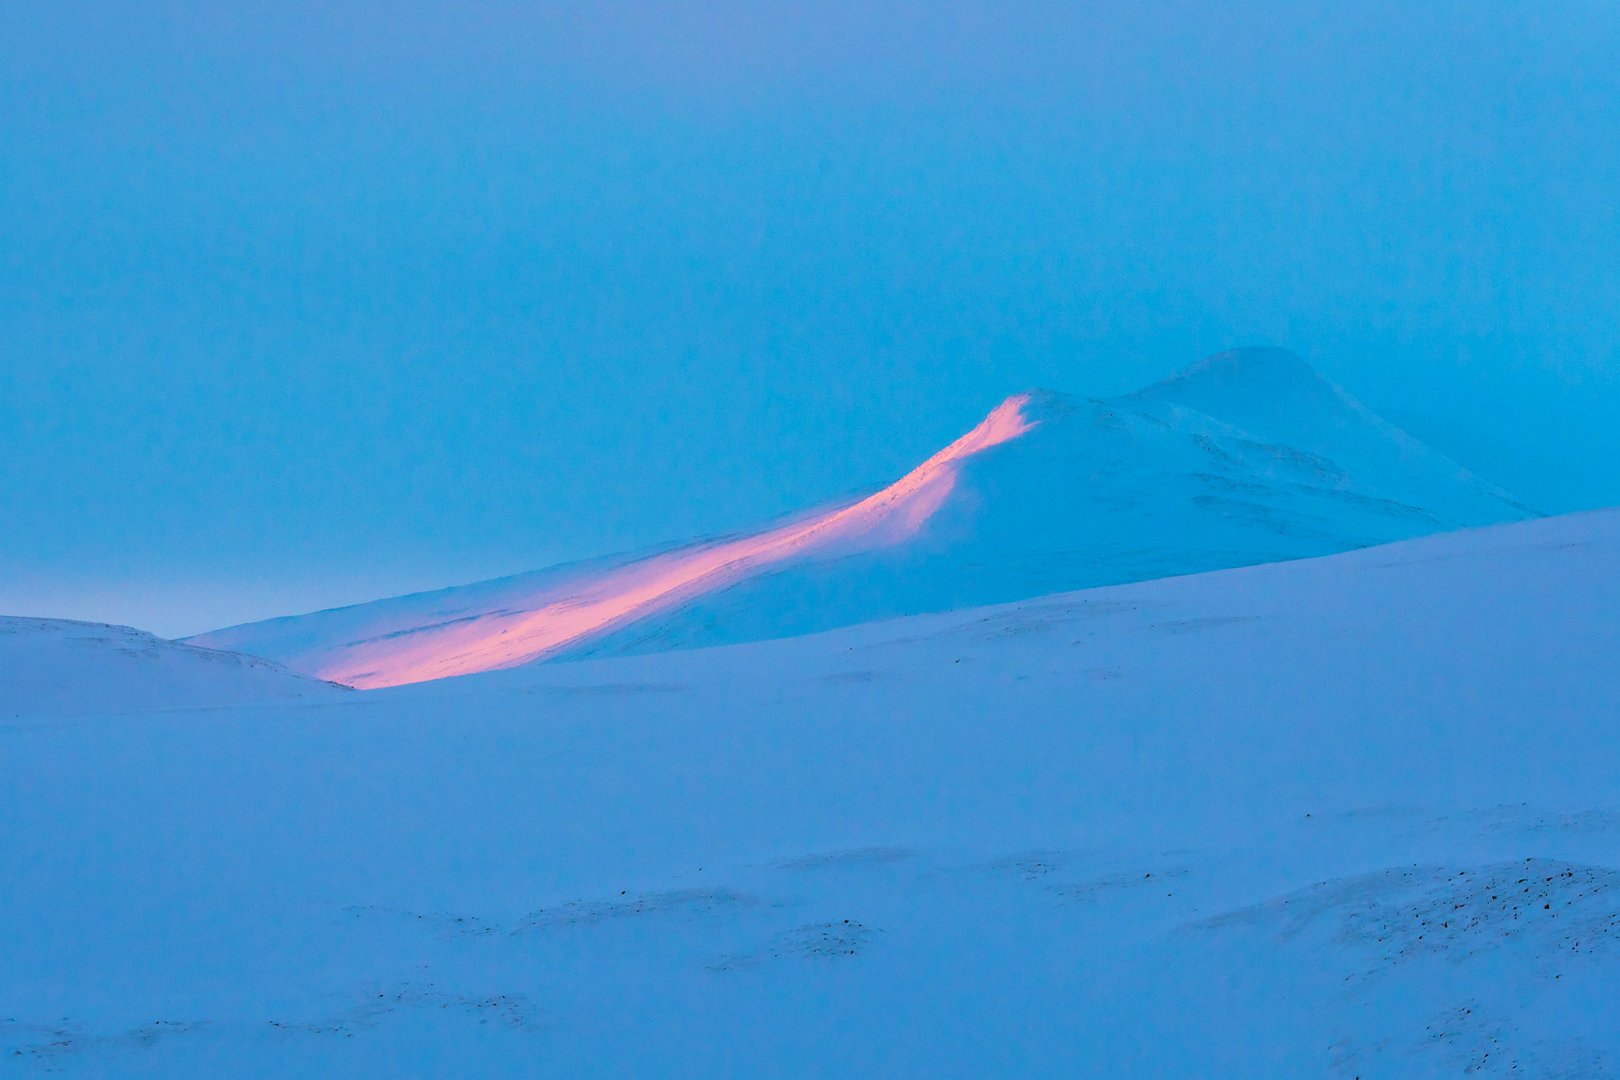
(56, 667)
(1247, 457)
(1350, 816)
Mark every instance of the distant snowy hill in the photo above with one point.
(58, 668)
(1247, 457)
(1339, 817)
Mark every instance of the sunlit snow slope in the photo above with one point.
(1340, 817)
(1247, 457)
(57, 667)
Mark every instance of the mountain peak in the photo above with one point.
(1257, 369)
(1258, 389)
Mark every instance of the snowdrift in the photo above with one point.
(59, 667)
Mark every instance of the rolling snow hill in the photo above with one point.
(1349, 816)
(1247, 457)
(58, 667)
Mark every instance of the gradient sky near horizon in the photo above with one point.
(307, 303)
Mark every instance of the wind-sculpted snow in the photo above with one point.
(1349, 816)
(1248, 457)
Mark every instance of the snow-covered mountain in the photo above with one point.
(60, 667)
(1350, 816)
(1247, 457)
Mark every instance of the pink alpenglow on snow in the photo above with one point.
(594, 604)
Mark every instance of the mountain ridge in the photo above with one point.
(1246, 456)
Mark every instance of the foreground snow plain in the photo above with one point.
(1348, 816)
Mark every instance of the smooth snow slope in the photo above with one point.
(1352, 816)
(58, 667)
(1248, 457)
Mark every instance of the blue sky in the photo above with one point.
(304, 303)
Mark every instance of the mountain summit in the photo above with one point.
(1249, 456)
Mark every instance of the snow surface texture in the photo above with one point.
(56, 667)
(1351, 816)
(1247, 457)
